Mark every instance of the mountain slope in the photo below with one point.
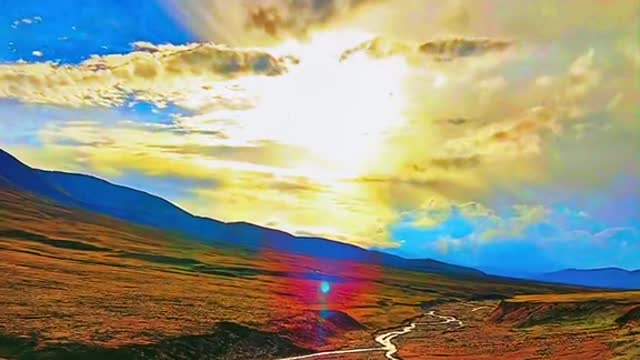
(12, 171)
(100, 196)
(613, 278)
(131, 205)
(76, 282)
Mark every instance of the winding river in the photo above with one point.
(385, 340)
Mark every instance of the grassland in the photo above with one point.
(74, 283)
(613, 315)
(620, 297)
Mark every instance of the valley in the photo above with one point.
(80, 284)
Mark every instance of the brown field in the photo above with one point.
(79, 285)
(576, 330)
(618, 297)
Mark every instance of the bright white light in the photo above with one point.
(439, 80)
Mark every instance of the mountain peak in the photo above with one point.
(7, 159)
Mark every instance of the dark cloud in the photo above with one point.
(296, 185)
(267, 19)
(438, 50)
(295, 17)
(454, 48)
(215, 58)
(457, 121)
(456, 162)
(443, 162)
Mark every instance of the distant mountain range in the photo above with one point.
(612, 278)
(138, 207)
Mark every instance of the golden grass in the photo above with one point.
(620, 297)
(74, 276)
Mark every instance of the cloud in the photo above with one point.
(26, 22)
(516, 225)
(260, 22)
(451, 49)
(254, 183)
(295, 18)
(433, 213)
(456, 162)
(344, 122)
(582, 77)
(449, 229)
(168, 150)
(379, 48)
(523, 133)
(521, 136)
(263, 153)
(297, 204)
(474, 234)
(457, 121)
(158, 73)
(484, 224)
(439, 50)
(498, 124)
(539, 21)
(625, 236)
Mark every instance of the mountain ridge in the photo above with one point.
(139, 207)
(607, 277)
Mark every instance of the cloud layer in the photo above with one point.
(448, 129)
(259, 22)
(157, 73)
(440, 50)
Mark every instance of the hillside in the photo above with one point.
(77, 280)
(134, 206)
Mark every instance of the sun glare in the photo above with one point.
(439, 80)
(339, 111)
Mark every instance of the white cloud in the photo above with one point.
(156, 73)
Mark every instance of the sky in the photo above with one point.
(490, 133)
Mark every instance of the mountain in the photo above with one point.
(121, 282)
(16, 173)
(138, 207)
(613, 278)
(128, 204)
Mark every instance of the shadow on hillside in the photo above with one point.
(227, 341)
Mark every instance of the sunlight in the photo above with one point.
(338, 111)
(439, 80)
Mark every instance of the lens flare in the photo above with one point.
(325, 287)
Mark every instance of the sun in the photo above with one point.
(340, 112)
